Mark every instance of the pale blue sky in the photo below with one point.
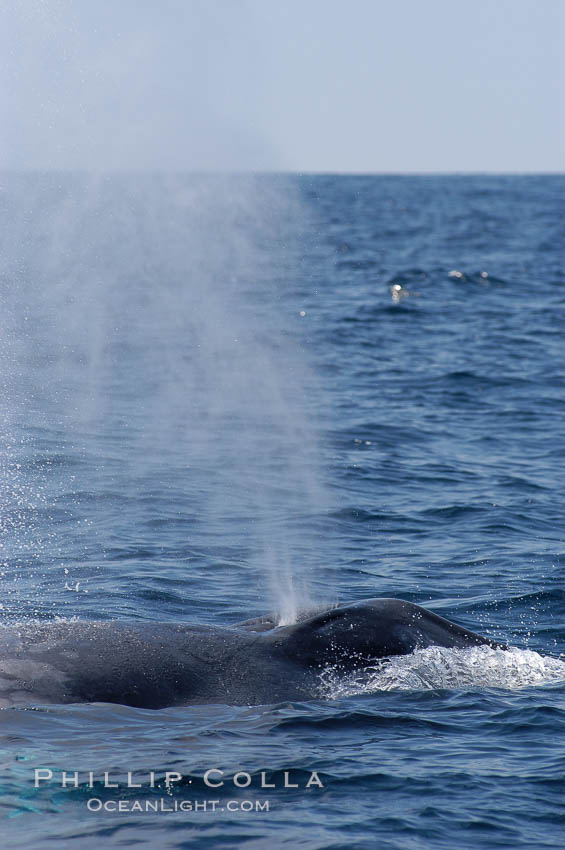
(299, 85)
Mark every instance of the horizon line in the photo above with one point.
(281, 172)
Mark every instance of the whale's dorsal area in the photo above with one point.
(154, 665)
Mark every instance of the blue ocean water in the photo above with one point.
(228, 395)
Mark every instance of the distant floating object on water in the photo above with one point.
(481, 277)
(398, 293)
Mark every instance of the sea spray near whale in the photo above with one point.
(255, 662)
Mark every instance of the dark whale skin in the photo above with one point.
(155, 665)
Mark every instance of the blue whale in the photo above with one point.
(154, 665)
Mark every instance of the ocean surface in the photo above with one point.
(225, 396)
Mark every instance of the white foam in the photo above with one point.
(437, 667)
